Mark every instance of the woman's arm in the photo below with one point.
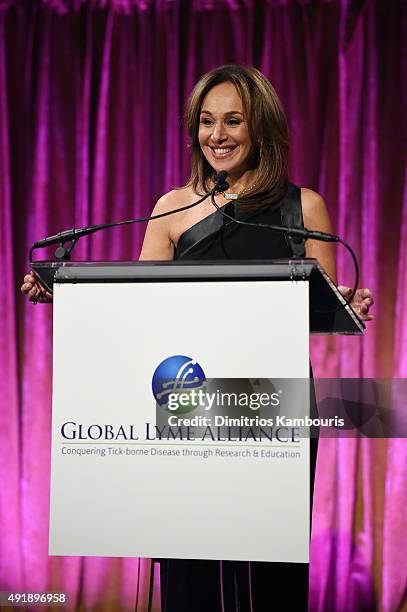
(157, 244)
(316, 217)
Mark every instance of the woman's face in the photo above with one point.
(223, 131)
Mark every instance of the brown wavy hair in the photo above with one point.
(267, 128)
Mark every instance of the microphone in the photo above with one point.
(303, 233)
(296, 232)
(66, 235)
(75, 234)
(221, 184)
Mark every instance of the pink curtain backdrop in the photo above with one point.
(91, 97)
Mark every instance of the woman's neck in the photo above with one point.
(238, 183)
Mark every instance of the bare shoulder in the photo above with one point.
(173, 199)
(158, 241)
(311, 200)
(314, 210)
(316, 217)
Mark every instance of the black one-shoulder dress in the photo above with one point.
(236, 586)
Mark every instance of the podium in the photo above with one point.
(167, 377)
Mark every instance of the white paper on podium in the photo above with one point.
(108, 341)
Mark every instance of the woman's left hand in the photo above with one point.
(361, 302)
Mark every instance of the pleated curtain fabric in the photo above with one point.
(91, 102)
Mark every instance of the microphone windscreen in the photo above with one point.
(221, 176)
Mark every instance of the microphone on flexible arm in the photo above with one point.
(297, 232)
(223, 185)
(73, 235)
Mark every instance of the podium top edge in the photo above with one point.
(329, 312)
(174, 262)
(292, 269)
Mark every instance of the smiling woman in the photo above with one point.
(223, 134)
(223, 131)
(236, 124)
(238, 108)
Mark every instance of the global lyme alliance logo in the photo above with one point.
(177, 374)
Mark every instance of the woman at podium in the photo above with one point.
(236, 124)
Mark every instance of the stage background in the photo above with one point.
(91, 98)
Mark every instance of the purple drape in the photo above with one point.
(91, 98)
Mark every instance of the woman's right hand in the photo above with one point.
(34, 291)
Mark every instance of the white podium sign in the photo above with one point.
(116, 488)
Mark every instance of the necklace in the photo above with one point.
(234, 196)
